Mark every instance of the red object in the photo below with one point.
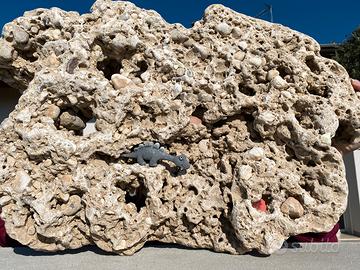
(260, 205)
(2, 233)
(317, 237)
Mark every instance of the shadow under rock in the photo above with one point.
(158, 244)
(26, 251)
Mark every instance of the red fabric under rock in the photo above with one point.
(2, 233)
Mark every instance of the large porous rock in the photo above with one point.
(252, 104)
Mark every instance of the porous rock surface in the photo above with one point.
(252, 104)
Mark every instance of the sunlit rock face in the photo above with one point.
(252, 104)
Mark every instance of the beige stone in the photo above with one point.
(249, 102)
(292, 207)
(120, 81)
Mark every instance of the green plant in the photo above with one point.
(348, 54)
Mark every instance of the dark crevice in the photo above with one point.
(137, 196)
(193, 189)
(312, 64)
(109, 66)
(189, 225)
(290, 152)
(199, 112)
(323, 91)
(344, 133)
(247, 90)
(284, 71)
(104, 157)
(143, 66)
(228, 229)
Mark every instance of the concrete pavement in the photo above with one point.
(345, 255)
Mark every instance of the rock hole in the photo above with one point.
(285, 107)
(109, 66)
(194, 189)
(323, 91)
(344, 133)
(137, 196)
(80, 121)
(229, 232)
(199, 112)
(312, 64)
(189, 225)
(311, 163)
(104, 157)
(290, 152)
(28, 55)
(284, 71)
(9, 97)
(247, 90)
(143, 66)
(147, 109)
(307, 187)
(268, 201)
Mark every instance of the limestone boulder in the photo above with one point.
(252, 104)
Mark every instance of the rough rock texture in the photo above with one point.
(264, 110)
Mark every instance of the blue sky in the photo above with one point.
(325, 20)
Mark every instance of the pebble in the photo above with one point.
(242, 45)
(178, 36)
(203, 51)
(267, 117)
(136, 109)
(326, 138)
(71, 121)
(53, 111)
(223, 28)
(237, 32)
(292, 207)
(239, 55)
(245, 172)
(271, 74)
(20, 35)
(286, 94)
(279, 83)
(73, 100)
(204, 146)
(177, 89)
(120, 81)
(255, 61)
(195, 120)
(256, 153)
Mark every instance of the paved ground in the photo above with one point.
(167, 257)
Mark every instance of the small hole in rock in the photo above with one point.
(137, 196)
(312, 64)
(109, 66)
(199, 112)
(247, 90)
(194, 189)
(311, 163)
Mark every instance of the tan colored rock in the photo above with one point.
(53, 111)
(292, 207)
(71, 121)
(252, 104)
(120, 81)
